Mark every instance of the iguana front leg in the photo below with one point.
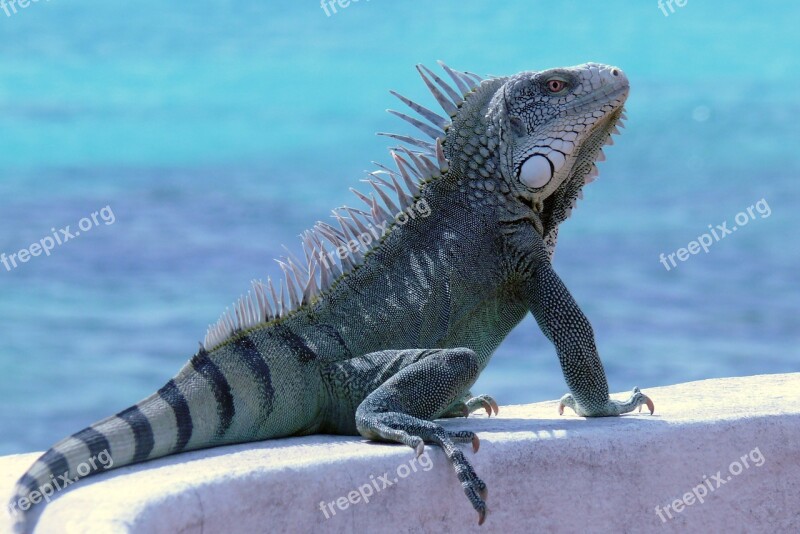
(565, 325)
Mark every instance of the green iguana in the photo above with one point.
(396, 308)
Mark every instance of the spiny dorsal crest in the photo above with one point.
(331, 251)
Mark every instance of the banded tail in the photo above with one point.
(157, 426)
(194, 410)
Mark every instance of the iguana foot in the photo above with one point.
(463, 409)
(415, 432)
(610, 408)
(402, 407)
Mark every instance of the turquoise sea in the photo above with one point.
(216, 131)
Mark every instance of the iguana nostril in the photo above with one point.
(615, 72)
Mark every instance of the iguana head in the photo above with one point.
(551, 127)
(540, 133)
(553, 123)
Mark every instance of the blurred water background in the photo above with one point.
(216, 131)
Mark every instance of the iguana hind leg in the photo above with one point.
(401, 410)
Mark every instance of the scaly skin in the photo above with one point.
(397, 340)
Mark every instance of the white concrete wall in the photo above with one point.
(545, 474)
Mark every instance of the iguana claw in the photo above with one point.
(486, 406)
(493, 404)
(484, 401)
(481, 517)
(650, 405)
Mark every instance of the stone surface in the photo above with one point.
(545, 473)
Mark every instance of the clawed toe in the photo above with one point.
(480, 507)
(650, 406)
(494, 405)
(566, 401)
(640, 398)
(476, 492)
(465, 436)
(484, 401)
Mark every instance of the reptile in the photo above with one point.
(396, 307)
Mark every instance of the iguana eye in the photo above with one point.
(555, 85)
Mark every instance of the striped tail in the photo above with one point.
(157, 426)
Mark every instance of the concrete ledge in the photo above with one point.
(544, 472)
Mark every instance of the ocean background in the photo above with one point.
(217, 131)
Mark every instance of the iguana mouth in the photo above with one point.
(558, 207)
(606, 94)
(591, 150)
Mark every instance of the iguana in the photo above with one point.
(395, 309)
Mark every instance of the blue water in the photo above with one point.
(216, 131)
